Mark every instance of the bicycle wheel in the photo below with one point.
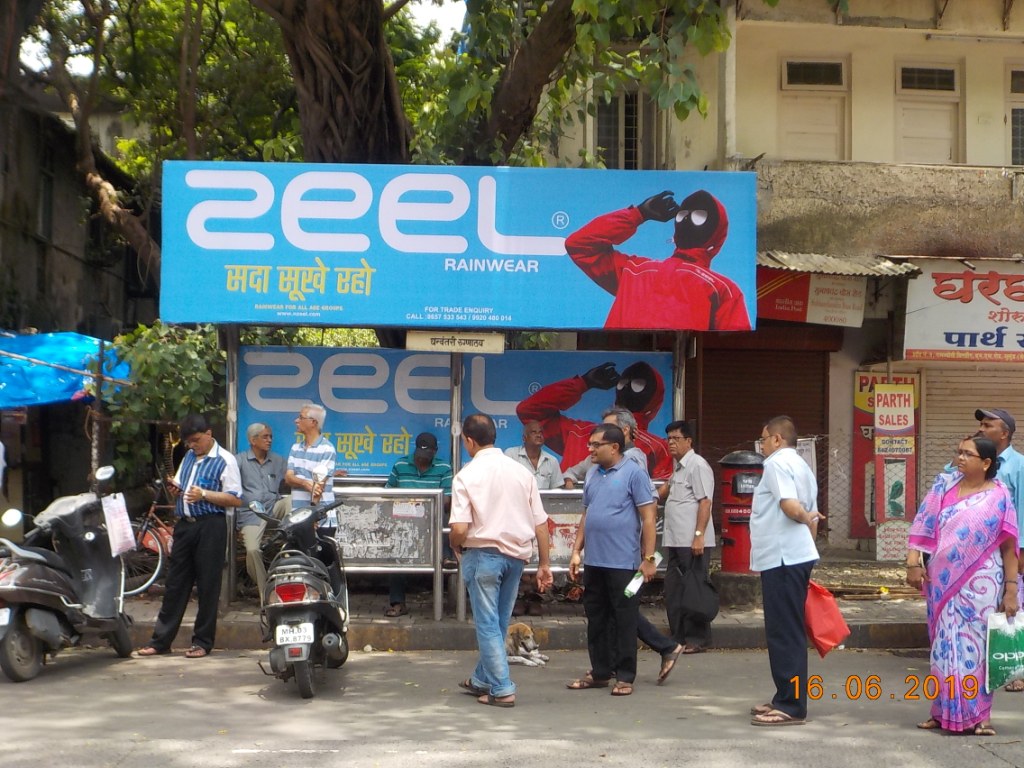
(144, 564)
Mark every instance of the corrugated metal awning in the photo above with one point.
(831, 264)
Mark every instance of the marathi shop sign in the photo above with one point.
(451, 247)
(955, 312)
(803, 297)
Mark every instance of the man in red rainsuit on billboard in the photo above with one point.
(639, 389)
(677, 293)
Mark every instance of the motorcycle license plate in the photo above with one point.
(5, 617)
(289, 634)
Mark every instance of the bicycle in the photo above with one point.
(154, 538)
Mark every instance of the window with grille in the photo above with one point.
(814, 74)
(1015, 114)
(624, 132)
(924, 79)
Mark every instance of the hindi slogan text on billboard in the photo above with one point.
(378, 400)
(453, 247)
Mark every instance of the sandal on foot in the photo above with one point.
(984, 729)
(149, 650)
(587, 682)
(775, 717)
(468, 687)
(498, 701)
(196, 652)
(668, 661)
(931, 724)
(1014, 686)
(395, 610)
(622, 689)
(688, 649)
(761, 709)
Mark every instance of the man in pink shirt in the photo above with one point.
(496, 515)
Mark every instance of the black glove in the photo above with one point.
(602, 376)
(660, 207)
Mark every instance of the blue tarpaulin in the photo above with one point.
(51, 368)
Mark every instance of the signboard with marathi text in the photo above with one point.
(457, 247)
(956, 312)
(895, 457)
(802, 297)
(863, 480)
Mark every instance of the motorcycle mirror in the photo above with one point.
(257, 507)
(11, 517)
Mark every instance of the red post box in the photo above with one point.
(741, 472)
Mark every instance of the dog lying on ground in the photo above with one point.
(521, 646)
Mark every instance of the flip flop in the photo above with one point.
(149, 650)
(622, 689)
(761, 709)
(668, 661)
(496, 701)
(984, 729)
(1014, 686)
(586, 683)
(931, 724)
(775, 718)
(196, 652)
(468, 687)
(687, 650)
(396, 610)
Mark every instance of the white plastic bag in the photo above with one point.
(119, 527)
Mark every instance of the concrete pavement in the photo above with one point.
(897, 621)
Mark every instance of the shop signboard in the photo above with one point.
(966, 311)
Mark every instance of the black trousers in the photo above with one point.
(197, 559)
(784, 592)
(693, 630)
(611, 623)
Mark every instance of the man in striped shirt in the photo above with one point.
(313, 453)
(207, 482)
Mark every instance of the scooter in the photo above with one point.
(305, 604)
(52, 599)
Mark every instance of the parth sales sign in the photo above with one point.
(958, 313)
(457, 248)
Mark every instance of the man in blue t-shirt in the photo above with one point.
(616, 536)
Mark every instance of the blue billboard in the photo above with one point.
(453, 247)
(378, 400)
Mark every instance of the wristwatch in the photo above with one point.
(203, 495)
(650, 559)
(698, 533)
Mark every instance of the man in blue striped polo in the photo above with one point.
(313, 453)
(206, 483)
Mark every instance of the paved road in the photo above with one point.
(399, 710)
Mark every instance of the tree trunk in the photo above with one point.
(523, 80)
(349, 102)
(16, 16)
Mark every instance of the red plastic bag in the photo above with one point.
(826, 627)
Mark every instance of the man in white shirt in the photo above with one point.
(689, 530)
(531, 455)
(783, 527)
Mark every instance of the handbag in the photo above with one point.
(689, 594)
(1004, 650)
(826, 627)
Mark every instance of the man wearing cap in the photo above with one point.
(998, 425)
(532, 456)
(420, 469)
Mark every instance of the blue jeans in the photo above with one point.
(493, 583)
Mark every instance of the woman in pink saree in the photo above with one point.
(968, 527)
